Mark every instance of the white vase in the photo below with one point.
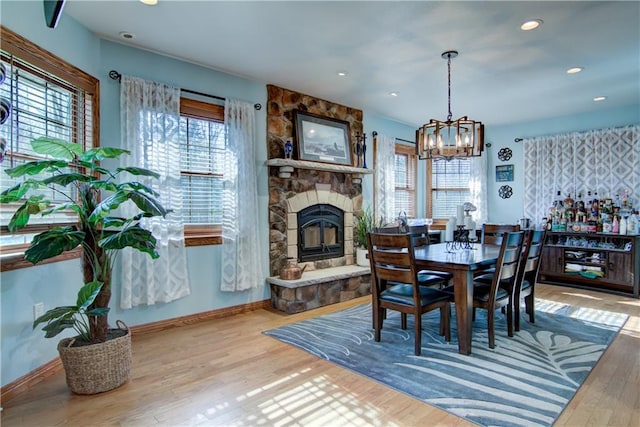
(362, 257)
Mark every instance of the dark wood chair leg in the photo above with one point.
(491, 329)
(516, 315)
(417, 332)
(445, 321)
(403, 320)
(510, 320)
(377, 322)
(530, 307)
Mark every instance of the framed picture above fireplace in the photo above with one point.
(322, 139)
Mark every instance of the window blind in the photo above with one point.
(202, 149)
(449, 186)
(42, 104)
(405, 173)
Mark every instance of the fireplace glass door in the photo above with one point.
(321, 233)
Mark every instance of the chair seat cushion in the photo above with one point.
(525, 284)
(486, 278)
(443, 274)
(481, 292)
(425, 279)
(403, 294)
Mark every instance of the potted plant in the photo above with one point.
(96, 193)
(364, 223)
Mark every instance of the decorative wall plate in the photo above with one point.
(505, 191)
(505, 154)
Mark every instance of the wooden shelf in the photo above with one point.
(287, 166)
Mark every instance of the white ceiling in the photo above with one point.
(502, 75)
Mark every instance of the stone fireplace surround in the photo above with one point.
(324, 281)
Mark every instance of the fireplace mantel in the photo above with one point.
(287, 167)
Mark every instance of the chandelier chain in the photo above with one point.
(449, 116)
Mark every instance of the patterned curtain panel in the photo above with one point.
(478, 189)
(150, 118)
(384, 167)
(606, 161)
(241, 248)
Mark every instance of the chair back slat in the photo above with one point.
(531, 255)
(391, 258)
(508, 261)
(492, 233)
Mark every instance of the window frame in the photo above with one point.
(12, 256)
(412, 163)
(201, 235)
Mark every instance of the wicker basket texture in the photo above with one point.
(96, 368)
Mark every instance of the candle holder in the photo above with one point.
(461, 238)
(361, 151)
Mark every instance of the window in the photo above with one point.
(202, 149)
(47, 97)
(405, 171)
(448, 182)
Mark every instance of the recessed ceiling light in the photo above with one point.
(149, 2)
(531, 24)
(126, 35)
(394, 93)
(574, 70)
(342, 73)
(599, 98)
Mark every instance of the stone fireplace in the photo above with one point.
(326, 246)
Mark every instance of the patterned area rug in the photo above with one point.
(526, 380)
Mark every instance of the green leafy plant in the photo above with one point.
(100, 234)
(364, 223)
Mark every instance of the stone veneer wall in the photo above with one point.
(280, 105)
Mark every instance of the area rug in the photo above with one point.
(526, 380)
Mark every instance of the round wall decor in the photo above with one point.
(505, 154)
(505, 191)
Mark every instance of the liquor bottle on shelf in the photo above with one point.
(623, 225)
(615, 226)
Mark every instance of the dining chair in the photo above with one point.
(527, 276)
(395, 286)
(498, 292)
(492, 235)
(420, 237)
(524, 285)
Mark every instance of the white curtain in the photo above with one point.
(606, 161)
(478, 189)
(241, 250)
(150, 118)
(385, 169)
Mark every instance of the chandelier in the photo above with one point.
(451, 139)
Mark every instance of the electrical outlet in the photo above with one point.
(38, 310)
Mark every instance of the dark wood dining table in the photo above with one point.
(462, 263)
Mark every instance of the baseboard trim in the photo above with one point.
(190, 319)
(16, 387)
(29, 380)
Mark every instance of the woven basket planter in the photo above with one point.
(95, 368)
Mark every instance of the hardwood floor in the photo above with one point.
(225, 372)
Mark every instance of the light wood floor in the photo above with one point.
(225, 372)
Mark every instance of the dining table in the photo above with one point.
(462, 263)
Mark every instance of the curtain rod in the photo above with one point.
(114, 75)
(374, 133)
